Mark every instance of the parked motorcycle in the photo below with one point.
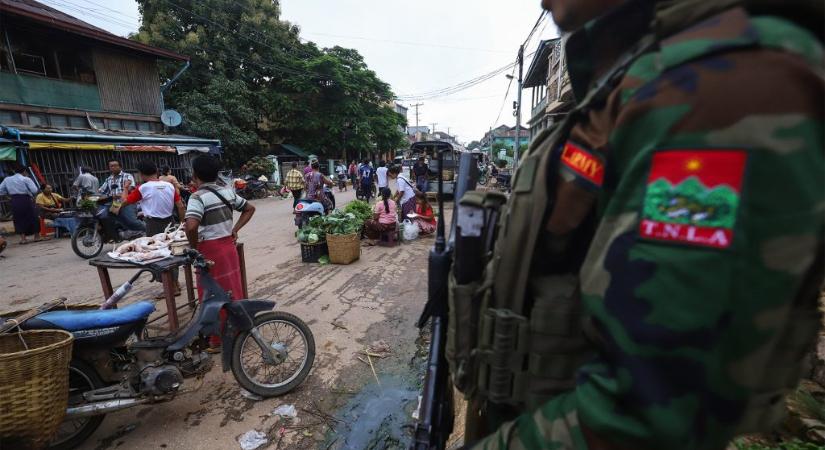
(91, 234)
(307, 208)
(482, 174)
(115, 366)
(251, 188)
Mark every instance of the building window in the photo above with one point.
(78, 122)
(130, 125)
(114, 124)
(58, 121)
(98, 123)
(38, 120)
(144, 126)
(10, 117)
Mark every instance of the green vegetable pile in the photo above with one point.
(337, 222)
(361, 209)
(313, 233)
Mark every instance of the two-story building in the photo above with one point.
(505, 137)
(551, 96)
(72, 95)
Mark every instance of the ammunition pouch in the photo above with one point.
(465, 298)
(525, 361)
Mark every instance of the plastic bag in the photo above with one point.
(252, 439)
(410, 230)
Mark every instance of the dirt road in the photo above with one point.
(340, 406)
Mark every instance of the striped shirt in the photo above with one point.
(295, 180)
(214, 216)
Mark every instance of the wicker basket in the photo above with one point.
(343, 248)
(34, 386)
(311, 253)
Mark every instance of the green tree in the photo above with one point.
(252, 81)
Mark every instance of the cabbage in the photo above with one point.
(312, 238)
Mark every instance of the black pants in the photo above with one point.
(155, 225)
(296, 195)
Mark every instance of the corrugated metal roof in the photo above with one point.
(53, 18)
(537, 73)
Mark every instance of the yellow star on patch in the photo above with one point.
(693, 165)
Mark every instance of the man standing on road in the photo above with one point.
(656, 278)
(421, 171)
(366, 178)
(210, 230)
(158, 199)
(295, 183)
(114, 186)
(85, 183)
(381, 175)
(341, 172)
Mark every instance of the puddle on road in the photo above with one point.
(377, 417)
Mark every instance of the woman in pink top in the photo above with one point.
(385, 217)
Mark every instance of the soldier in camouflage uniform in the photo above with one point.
(682, 208)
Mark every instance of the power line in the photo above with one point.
(417, 44)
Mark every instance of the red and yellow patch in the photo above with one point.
(583, 163)
(692, 196)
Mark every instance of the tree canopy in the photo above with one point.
(252, 82)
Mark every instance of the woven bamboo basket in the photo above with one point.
(343, 248)
(34, 386)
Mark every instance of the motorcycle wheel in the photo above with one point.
(85, 244)
(261, 193)
(72, 433)
(482, 180)
(277, 328)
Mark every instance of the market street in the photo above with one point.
(348, 308)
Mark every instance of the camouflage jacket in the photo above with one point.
(706, 172)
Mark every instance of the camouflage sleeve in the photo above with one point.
(702, 279)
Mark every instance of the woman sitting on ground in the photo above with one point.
(49, 202)
(385, 217)
(424, 216)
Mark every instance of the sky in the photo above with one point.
(415, 46)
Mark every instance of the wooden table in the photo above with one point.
(161, 269)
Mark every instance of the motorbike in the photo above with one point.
(482, 175)
(307, 208)
(91, 234)
(116, 366)
(251, 188)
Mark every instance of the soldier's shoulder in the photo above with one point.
(714, 42)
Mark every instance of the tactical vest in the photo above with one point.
(518, 336)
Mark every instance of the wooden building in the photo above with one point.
(78, 95)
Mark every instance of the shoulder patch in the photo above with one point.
(693, 197)
(583, 163)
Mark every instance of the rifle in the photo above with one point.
(435, 423)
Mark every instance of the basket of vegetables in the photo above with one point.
(343, 237)
(313, 241)
(362, 212)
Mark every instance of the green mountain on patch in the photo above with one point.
(691, 203)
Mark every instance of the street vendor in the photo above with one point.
(210, 230)
(49, 202)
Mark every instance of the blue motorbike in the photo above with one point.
(116, 366)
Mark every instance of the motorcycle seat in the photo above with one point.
(96, 318)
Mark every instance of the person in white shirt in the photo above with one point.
(381, 174)
(158, 199)
(341, 171)
(406, 191)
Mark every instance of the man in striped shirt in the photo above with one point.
(209, 227)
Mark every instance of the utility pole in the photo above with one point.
(518, 108)
(433, 130)
(416, 114)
